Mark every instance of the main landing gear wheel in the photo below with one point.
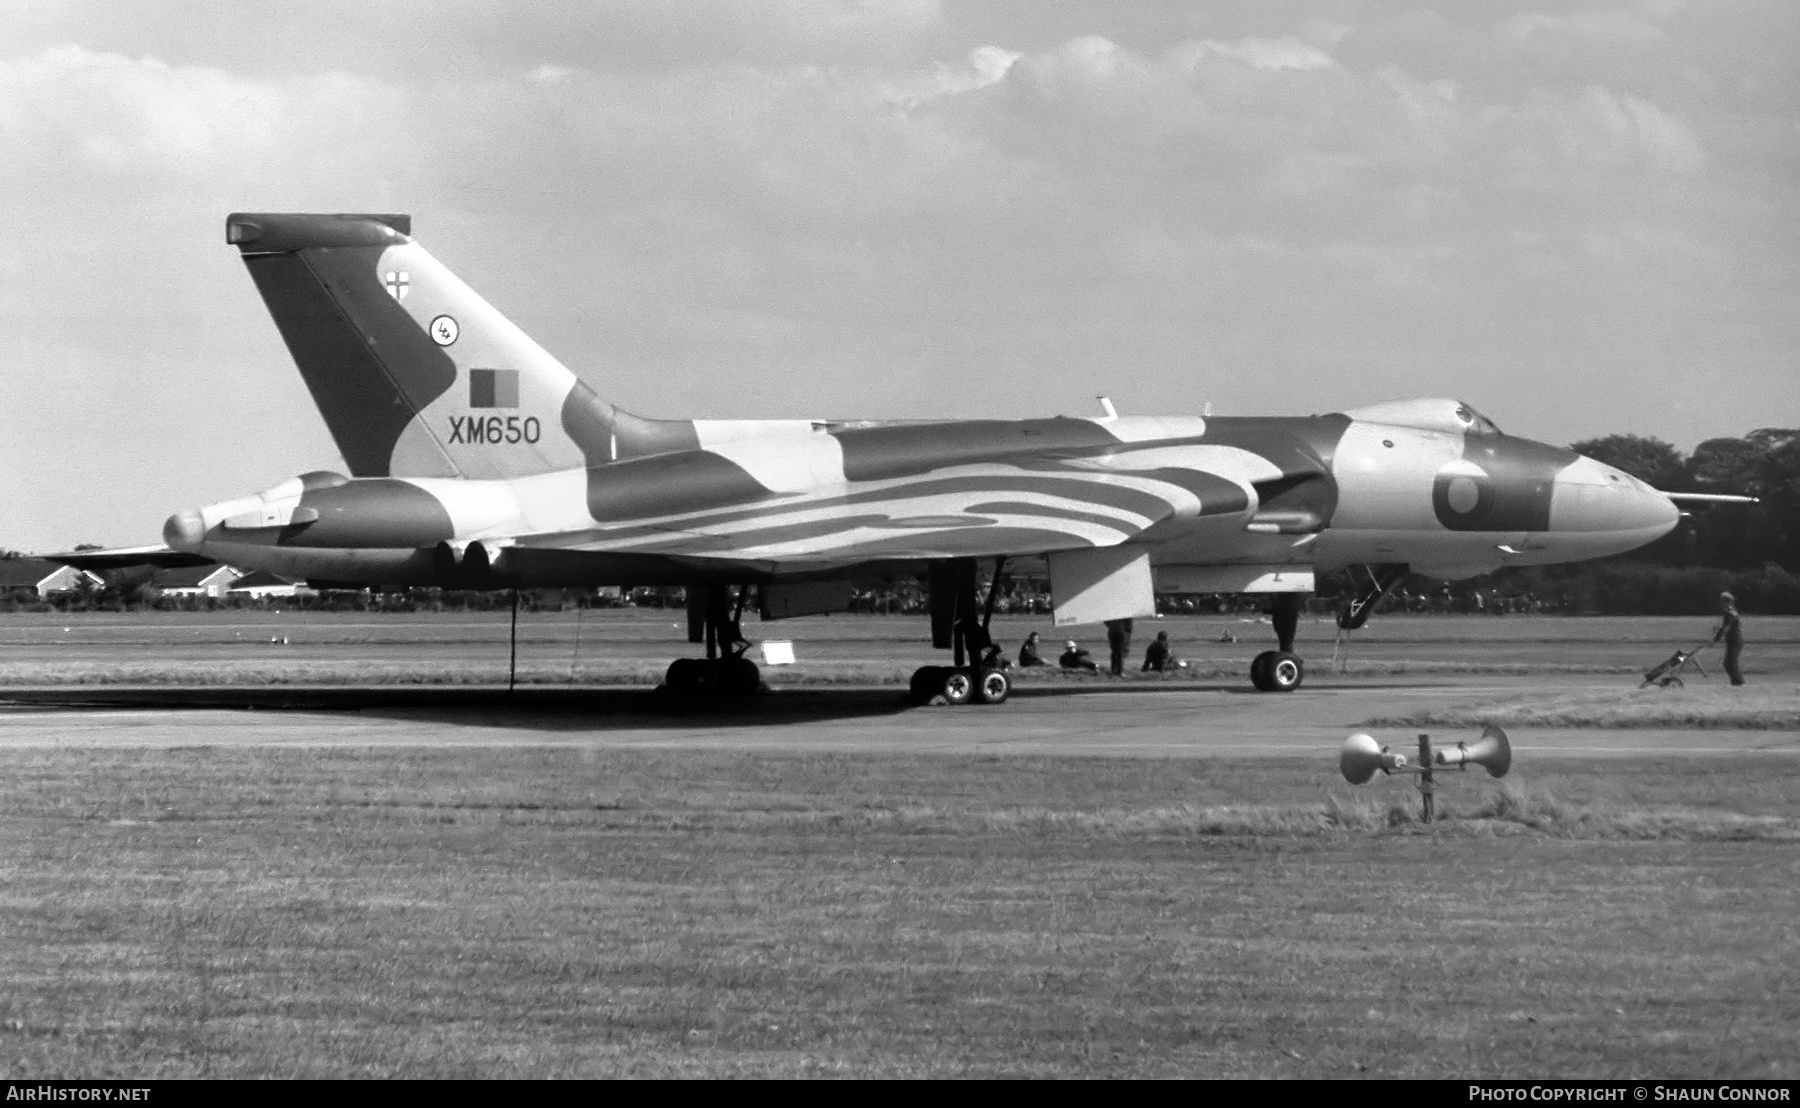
(927, 682)
(992, 687)
(717, 678)
(1277, 671)
(739, 677)
(958, 687)
(684, 676)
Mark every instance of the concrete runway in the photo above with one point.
(1164, 720)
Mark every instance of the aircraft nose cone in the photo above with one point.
(184, 530)
(1606, 511)
(1656, 512)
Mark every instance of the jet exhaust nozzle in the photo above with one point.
(475, 565)
(185, 530)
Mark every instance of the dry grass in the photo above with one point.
(1505, 810)
(1540, 810)
(538, 913)
(1766, 707)
(631, 646)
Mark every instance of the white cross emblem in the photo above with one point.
(396, 284)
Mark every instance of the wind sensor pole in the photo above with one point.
(575, 657)
(512, 660)
(1426, 792)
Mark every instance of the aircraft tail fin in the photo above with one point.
(414, 373)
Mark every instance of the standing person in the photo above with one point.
(1118, 638)
(1731, 630)
(1028, 651)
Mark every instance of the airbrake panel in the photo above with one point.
(1109, 582)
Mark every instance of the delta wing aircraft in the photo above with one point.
(477, 460)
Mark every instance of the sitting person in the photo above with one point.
(1157, 656)
(1028, 652)
(992, 658)
(1073, 657)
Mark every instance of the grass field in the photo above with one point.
(1766, 707)
(591, 910)
(535, 913)
(634, 646)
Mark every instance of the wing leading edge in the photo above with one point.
(125, 557)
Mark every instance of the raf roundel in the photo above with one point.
(1463, 494)
(444, 330)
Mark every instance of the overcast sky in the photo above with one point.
(1582, 220)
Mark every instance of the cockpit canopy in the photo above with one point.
(1433, 414)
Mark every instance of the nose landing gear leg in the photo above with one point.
(1280, 670)
(1359, 604)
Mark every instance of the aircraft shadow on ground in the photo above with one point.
(550, 709)
(566, 708)
(531, 707)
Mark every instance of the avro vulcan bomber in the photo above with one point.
(475, 459)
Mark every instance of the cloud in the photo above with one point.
(87, 115)
(1265, 107)
(1614, 27)
(1325, 33)
(547, 73)
(987, 65)
(118, 115)
(425, 40)
(1663, 139)
(1594, 139)
(1266, 53)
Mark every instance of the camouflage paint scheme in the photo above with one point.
(476, 458)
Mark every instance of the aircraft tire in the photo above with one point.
(680, 677)
(992, 687)
(739, 677)
(1259, 671)
(1285, 672)
(958, 687)
(927, 682)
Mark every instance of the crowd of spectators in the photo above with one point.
(1622, 589)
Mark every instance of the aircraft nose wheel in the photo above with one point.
(1277, 671)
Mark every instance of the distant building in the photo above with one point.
(207, 580)
(34, 578)
(262, 585)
